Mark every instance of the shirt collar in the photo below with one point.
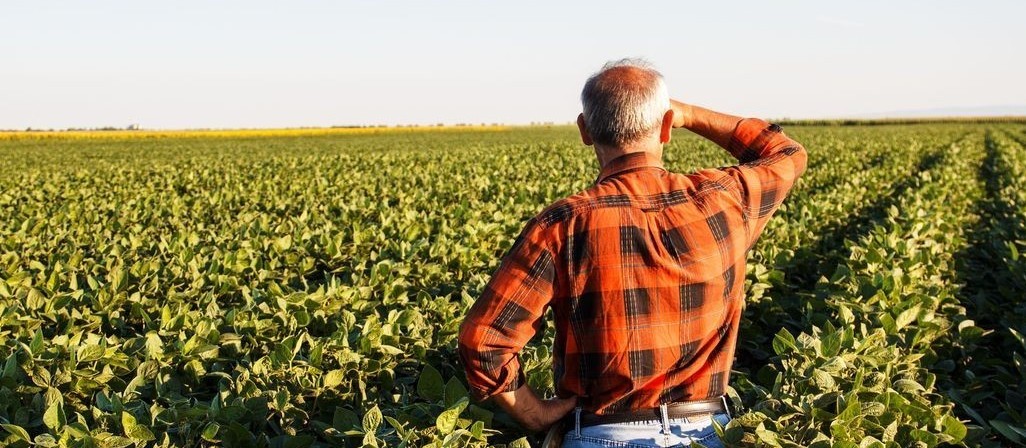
(629, 162)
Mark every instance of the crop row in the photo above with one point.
(853, 375)
(987, 375)
(807, 239)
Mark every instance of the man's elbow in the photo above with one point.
(801, 159)
(798, 156)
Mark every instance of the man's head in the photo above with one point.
(626, 107)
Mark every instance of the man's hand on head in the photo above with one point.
(715, 126)
(532, 412)
(682, 114)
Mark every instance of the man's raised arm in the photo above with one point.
(715, 126)
(770, 161)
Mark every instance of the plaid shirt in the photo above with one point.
(644, 272)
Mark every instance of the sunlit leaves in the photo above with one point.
(290, 291)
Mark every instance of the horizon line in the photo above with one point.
(860, 119)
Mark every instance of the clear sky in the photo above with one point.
(187, 64)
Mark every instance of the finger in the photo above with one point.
(566, 405)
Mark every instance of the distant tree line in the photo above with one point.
(131, 127)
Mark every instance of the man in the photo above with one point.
(644, 272)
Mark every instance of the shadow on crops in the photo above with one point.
(821, 258)
(971, 368)
(792, 306)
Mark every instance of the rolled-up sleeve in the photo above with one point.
(770, 164)
(507, 315)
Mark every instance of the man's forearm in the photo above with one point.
(715, 126)
(532, 412)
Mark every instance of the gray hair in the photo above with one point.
(624, 102)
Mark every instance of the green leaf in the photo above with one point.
(454, 391)
(210, 432)
(1006, 430)
(372, 420)
(399, 427)
(41, 377)
(45, 440)
(282, 400)
(954, 428)
(390, 350)
(929, 439)
(823, 380)
(477, 430)
(873, 409)
(344, 419)
(1018, 336)
(908, 386)
(519, 443)
(37, 342)
(766, 436)
(430, 385)
(907, 317)
(134, 430)
(446, 421)
(333, 378)
(17, 431)
(54, 417)
(831, 344)
(783, 342)
(370, 440)
(284, 243)
(873, 256)
(90, 352)
(11, 366)
(140, 433)
(851, 411)
(112, 441)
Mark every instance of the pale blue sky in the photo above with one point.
(185, 64)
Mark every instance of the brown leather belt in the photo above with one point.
(673, 410)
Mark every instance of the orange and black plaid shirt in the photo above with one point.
(644, 272)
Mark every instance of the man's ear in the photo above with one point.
(667, 126)
(585, 137)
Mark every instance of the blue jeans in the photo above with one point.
(675, 432)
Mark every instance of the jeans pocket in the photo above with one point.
(722, 419)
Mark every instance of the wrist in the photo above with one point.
(682, 114)
(687, 120)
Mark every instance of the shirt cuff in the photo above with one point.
(508, 383)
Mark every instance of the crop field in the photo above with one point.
(305, 289)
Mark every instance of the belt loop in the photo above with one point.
(726, 406)
(665, 416)
(577, 421)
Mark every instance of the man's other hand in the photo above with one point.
(531, 412)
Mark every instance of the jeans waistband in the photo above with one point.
(664, 413)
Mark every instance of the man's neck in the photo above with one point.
(608, 154)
